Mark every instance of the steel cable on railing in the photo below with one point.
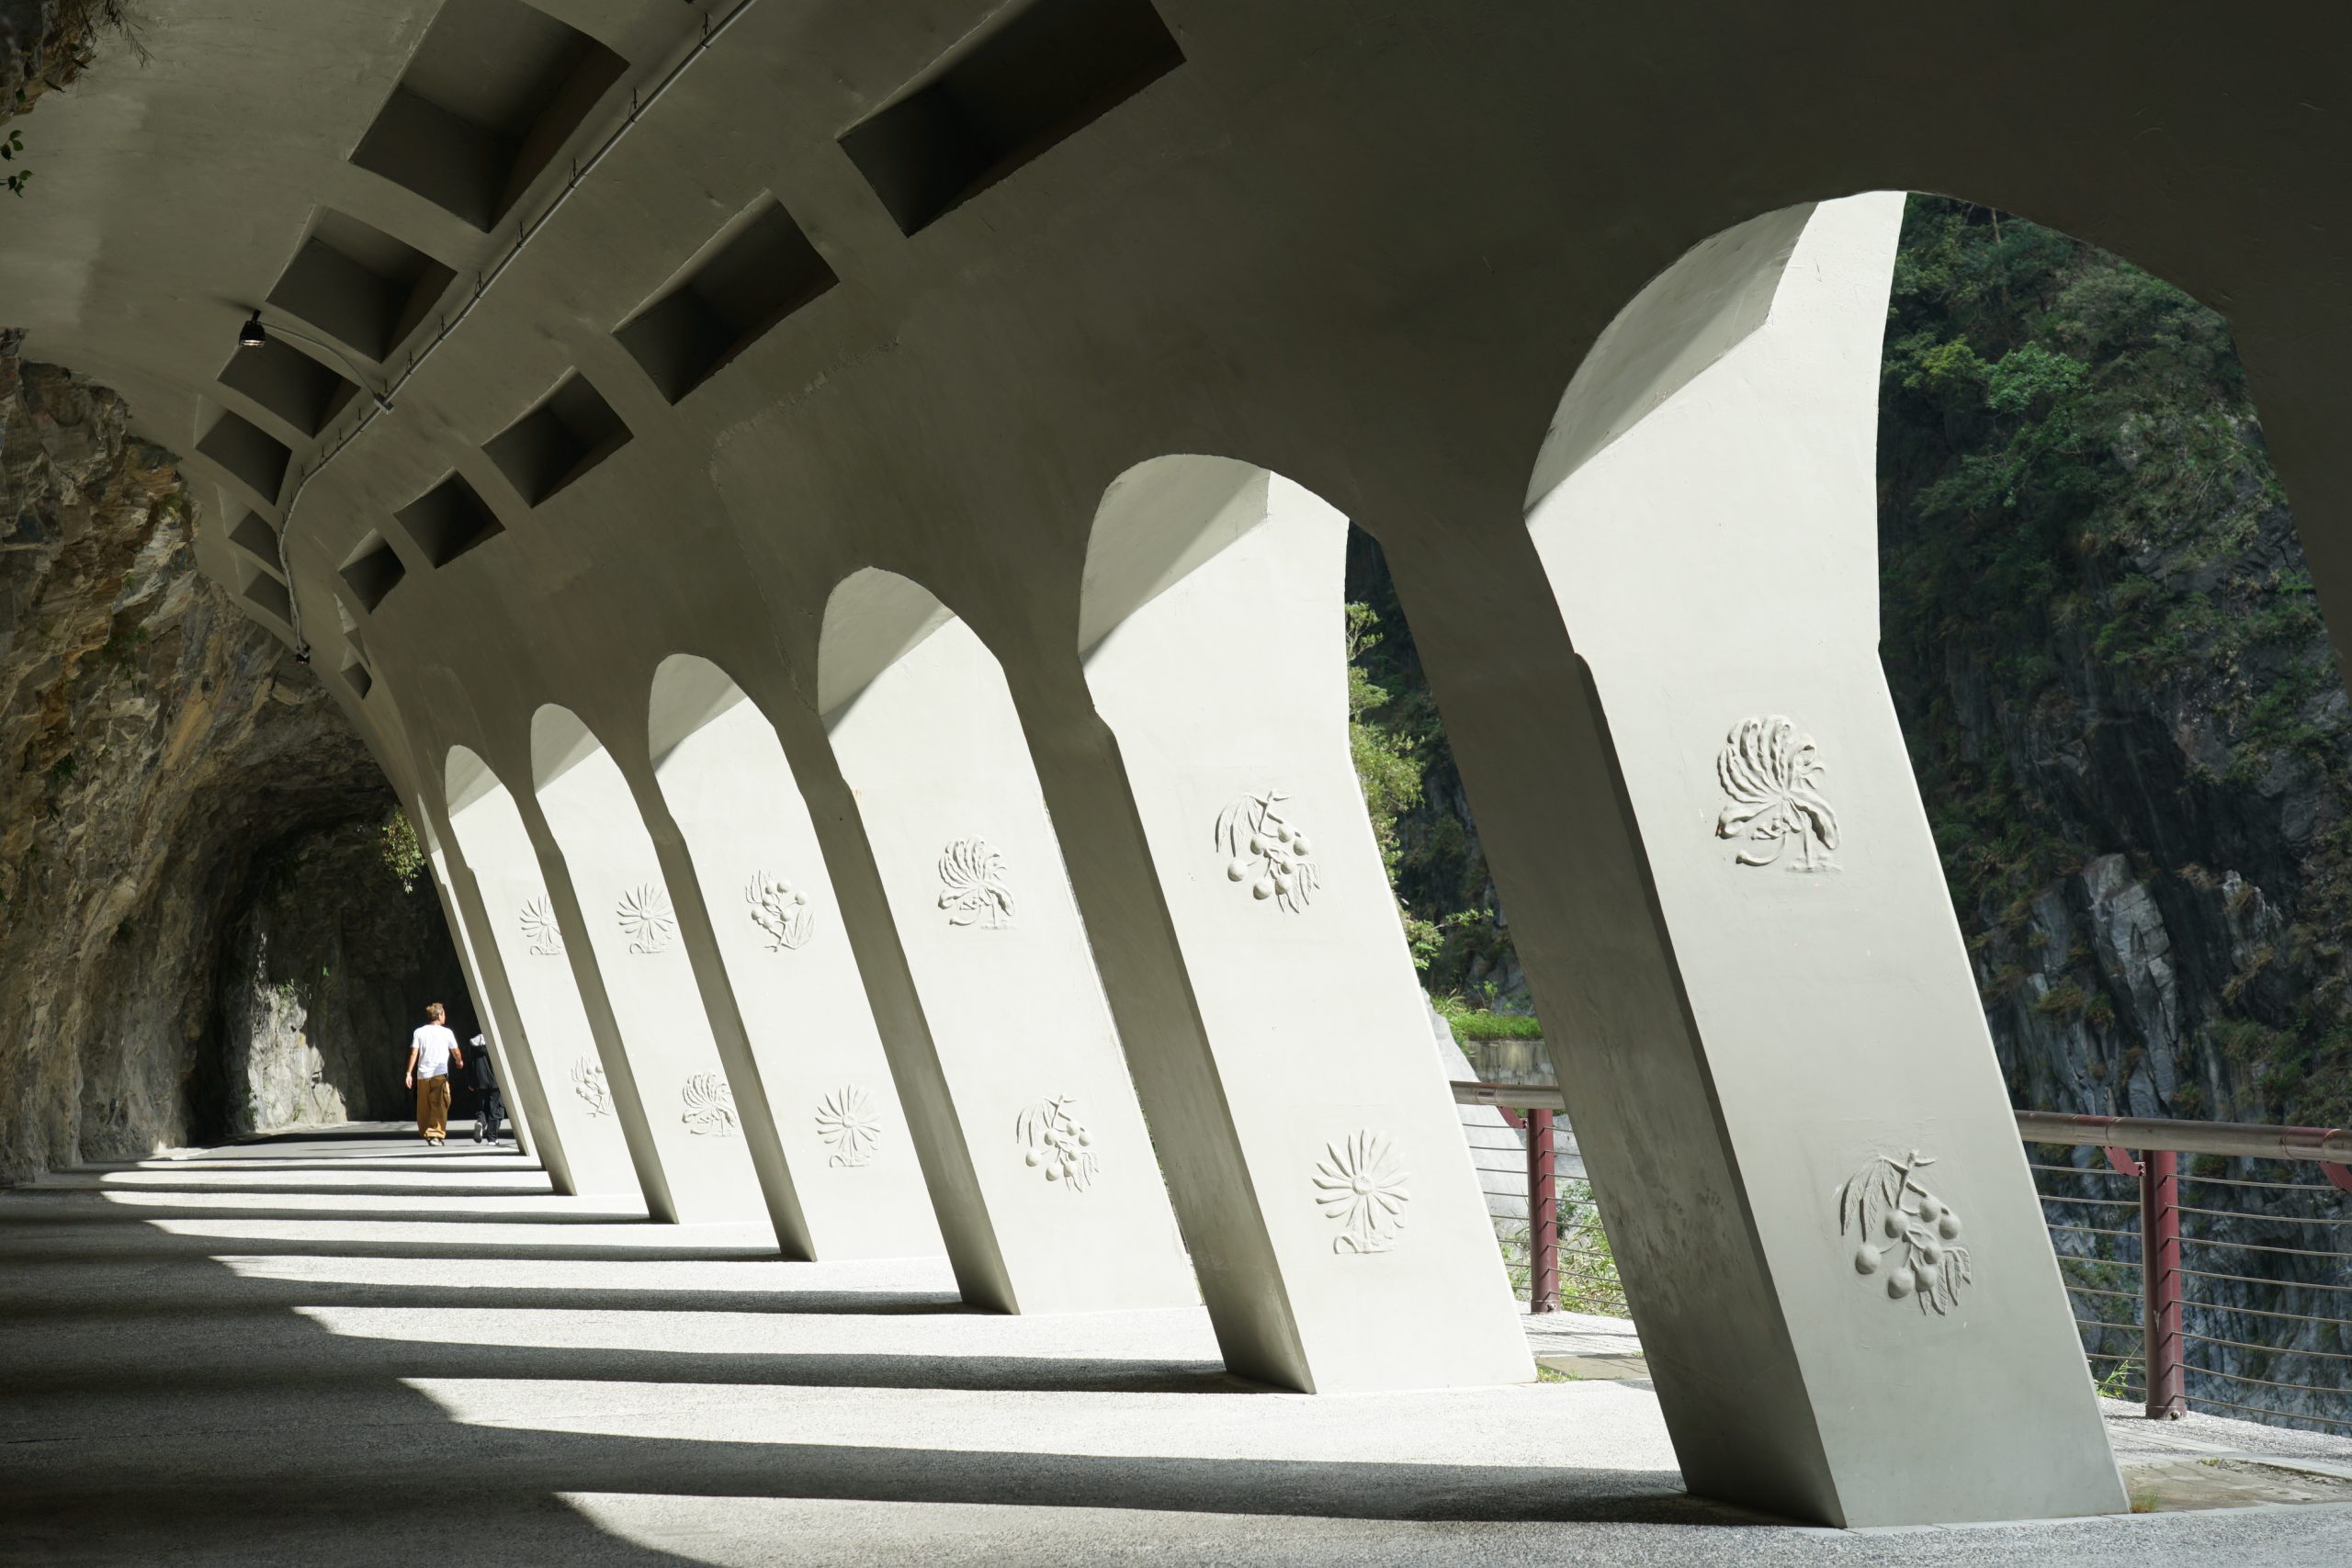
(2094, 1202)
(2258, 1246)
(2258, 1215)
(2273, 1185)
(2253, 1280)
(2261, 1382)
(2093, 1230)
(2264, 1349)
(2096, 1291)
(2262, 1311)
(2265, 1412)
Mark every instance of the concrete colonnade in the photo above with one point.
(1163, 828)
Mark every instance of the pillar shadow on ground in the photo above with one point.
(164, 1405)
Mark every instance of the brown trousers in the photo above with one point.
(433, 1107)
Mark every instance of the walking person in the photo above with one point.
(489, 1118)
(431, 1051)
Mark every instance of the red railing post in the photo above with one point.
(2159, 1284)
(1543, 1217)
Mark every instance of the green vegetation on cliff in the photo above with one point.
(2103, 644)
(1421, 813)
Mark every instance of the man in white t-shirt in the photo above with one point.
(431, 1051)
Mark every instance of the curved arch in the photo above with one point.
(792, 974)
(1156, 523)
(518, 933)
(925, 732)
(873, 618)
(636, 958)
(1684, 320)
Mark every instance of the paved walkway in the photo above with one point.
(347, 1349)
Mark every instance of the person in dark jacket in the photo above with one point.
(489, 1120)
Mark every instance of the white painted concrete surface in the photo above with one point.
(949, 799)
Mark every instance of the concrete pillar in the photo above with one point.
(519, 1078)
(781, 970)
(495, 881)
(1068, 1186)
(631, 964)
(1819, 1203)
(1215, 652)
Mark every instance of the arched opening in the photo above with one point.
(521, 1094)
(727, 784)
(551, 1025)
(1216, 650)
(2128, 724)
(925, 732)
(638, 955)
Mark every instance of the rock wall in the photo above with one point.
(45, 44)
(318, 990)
(2134, 745)
(171, 783)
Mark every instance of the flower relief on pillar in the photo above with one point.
(786, 918)
(849, 1124)
(1266, 850)
(1363, 1187)
(1772, 776)
(708, 1105)
(647, 918)
(1052, 1139)
(588, 1083)
(1905, 1235)
(974, 885)
(541, 935)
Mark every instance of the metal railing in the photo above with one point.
(2281, 1351)
(1561, 1257)
(2257, 1233)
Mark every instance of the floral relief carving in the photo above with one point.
(588, 1083)
(780, 911)
(647, 918)
(709, 1106)
(1264, 849)
(540, 931)
(1051, 1136)
(1363, 1186)
(850, 1124)
(1772, 776)
(972, 886)
(1907, 1235)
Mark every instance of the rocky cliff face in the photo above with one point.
(176, 803)
(2127, 718)
(45, 44)
(2134, 743)
(318, 989)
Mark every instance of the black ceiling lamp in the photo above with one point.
(254, 335)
